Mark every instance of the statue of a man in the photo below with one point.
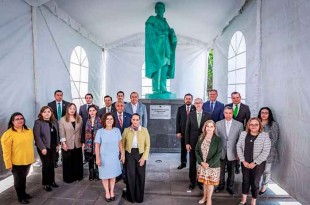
(160, 45)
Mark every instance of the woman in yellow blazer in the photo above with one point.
(70, 128)
(18, 153)
(136, 142)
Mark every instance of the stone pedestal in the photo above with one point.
(163, 131)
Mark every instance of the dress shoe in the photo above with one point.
(191, 186)
(218, 189)
(108, 199)
(47, 188)
(54, 185)
(182, 166)
(23, 201)
(237, 171)
(230, 191)
(28, 196)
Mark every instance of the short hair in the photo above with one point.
(235, 93)
(40, 116)
(58, 91)
(91, 95)
(120, 92)
(260, 130)
(11, 125)
(134, 92)
(228, 108)
(119, 102)
(188, 94)
(92, 106)
(108, 96)
(104, 119)
(213, 90)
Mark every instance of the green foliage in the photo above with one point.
(210, 71)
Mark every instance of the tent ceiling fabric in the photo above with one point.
(111, 21)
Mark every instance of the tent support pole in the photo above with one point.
(35, 56)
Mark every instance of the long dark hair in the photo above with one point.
(12, 118)
(91, 106)
(270, 117)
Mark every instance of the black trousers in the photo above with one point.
(20, 173)
(192, 166)
(72, 163)
(183, 150)
(48, 165)
(231, 173)
(135, 176)
(251, 178)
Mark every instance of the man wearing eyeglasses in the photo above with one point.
(193, 130)
(241, 113)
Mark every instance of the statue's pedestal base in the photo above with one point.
(161, 96)
(162, 131)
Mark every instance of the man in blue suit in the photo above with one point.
(136, 107)
(123, 119)
(214, 107)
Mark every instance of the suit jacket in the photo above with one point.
(54, 107)
(42, 134)
(181, 119)
(141, 110)
(192, 131)
(244, 113)
(217, 112)
(126, 121)
(70, 135)
(103, 111)
(229, 142)
(84, 114)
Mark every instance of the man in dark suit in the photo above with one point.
(214, 107)
(193, 130)
(59, 108)
(108, 106)
(241, 113)
(120, 95)
(229, 131)
(182, 113)
(123, 119)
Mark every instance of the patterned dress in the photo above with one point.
(209, 176)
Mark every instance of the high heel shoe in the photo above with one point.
(202, 201)
(113, 198)
(47, 188)
(108, 199)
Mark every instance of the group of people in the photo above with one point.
(218, 138)
(114, 141)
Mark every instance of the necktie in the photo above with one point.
(108, 109)
(236, 111)
(199, 118)
(59, 111)
(120, 120)
(187, 110)
(211, 106)
(227, 128)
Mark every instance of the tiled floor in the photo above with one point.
(165, 185)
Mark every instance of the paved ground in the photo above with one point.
(165, 185)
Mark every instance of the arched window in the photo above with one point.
(79, 75)
(147, 83)
(237, 66)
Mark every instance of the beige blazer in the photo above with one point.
(68, 134)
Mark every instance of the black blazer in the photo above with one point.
(126, 121)
(181, 119)
(244, 113)
(102, 111)
(54, 108)
(42, 134)
(192, 131)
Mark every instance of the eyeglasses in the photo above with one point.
(18, 119)
(254, 125)
(198, 103)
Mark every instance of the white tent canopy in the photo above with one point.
(37, 38)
